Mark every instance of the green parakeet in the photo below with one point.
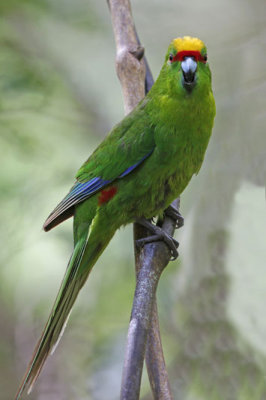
(144, 163)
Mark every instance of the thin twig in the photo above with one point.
(155, 362)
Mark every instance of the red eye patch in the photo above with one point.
(189, 53)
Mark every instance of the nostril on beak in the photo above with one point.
(189, 67)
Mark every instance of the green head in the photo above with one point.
(186, 68)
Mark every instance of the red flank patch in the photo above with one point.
(106, 195)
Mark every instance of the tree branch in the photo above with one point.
(159, 254)
(129, 54)
(150, 262)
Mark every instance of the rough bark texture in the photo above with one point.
(129, 54)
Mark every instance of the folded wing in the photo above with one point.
(127, 146)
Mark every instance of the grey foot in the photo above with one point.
(173, 212)
(158, 234)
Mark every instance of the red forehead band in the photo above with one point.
(190, 53)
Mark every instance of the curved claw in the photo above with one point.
(172, 212)
(159, 234)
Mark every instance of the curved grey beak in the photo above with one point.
(189, 67)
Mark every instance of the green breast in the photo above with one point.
(182, 132)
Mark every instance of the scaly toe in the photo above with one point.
(172, 212)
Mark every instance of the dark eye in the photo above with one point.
(205, 58)
(171, 57)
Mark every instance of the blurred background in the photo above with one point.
(59, 96)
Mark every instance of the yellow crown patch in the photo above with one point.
(188, 43)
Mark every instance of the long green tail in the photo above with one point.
(84, 256)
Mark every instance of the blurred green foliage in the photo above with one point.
(59, 97)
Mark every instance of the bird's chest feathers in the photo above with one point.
(182, 133)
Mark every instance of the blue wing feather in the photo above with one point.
(80, 192)
(129, 169)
